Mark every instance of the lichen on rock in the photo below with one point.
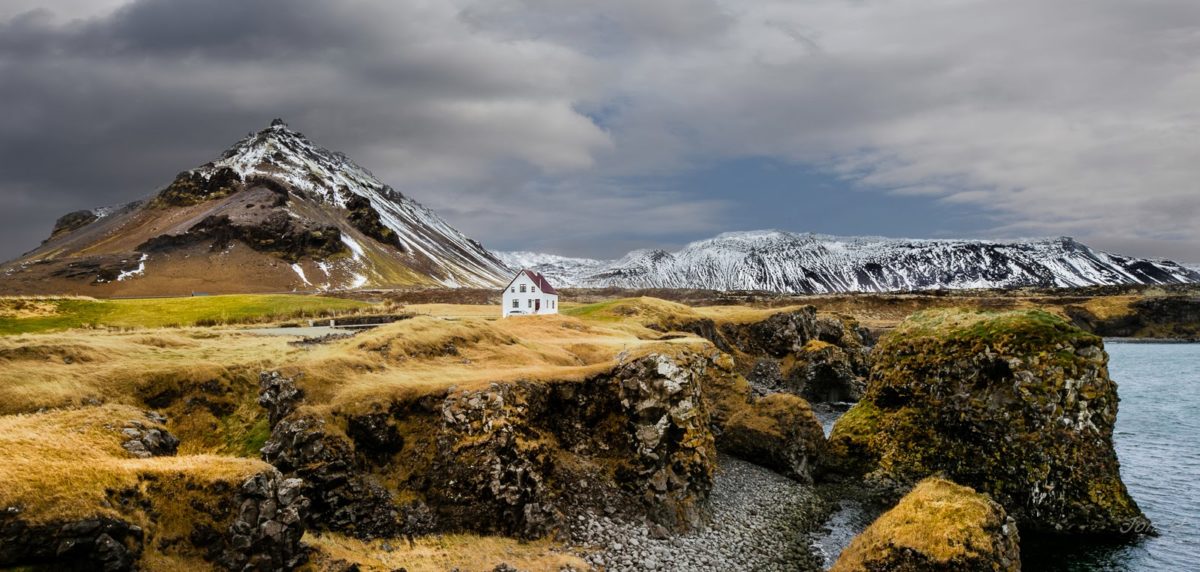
(1018, 405)
(937, 527)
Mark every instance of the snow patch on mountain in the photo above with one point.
(561, 271)
(779, 261)
(139, 271)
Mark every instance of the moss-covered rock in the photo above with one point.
(1018, 405)
(939, 526)
(515, 458)
(819, 357)
(779, 432)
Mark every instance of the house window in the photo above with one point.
(530, 301)
(522, 287)
(513, 289)
(516, 303)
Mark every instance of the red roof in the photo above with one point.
(538, 280)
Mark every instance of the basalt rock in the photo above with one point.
(277, 234)
(515, 458)
(365, 218)
(938, 527)
(344, 496)
(1175, 316)
(779, 432)
(266, 531)
(149, 438)
(194, 187)
(252, 528)
(821, 358)
(278, 395)
(823, 372)
(507, 456)
(1017, 405)
(106, 544)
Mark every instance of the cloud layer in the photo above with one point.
(1072, 117)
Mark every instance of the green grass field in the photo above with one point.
(31, 315)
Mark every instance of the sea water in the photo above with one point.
(1157, 438)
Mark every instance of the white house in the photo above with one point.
(529, 293)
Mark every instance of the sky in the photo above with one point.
(589, 128)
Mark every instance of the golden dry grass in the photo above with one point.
(61, 464)
(469, 553)
(741, 314)
(427, 354)
(645, 311)
(938, 519)
(489, 311)
(70, 369)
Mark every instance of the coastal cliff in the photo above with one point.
(1016, 405)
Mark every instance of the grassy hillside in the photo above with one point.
(32, 315)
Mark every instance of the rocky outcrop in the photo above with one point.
(96, 269)
(278, 395)
(265, 534)
(512, 458)
(1017, 405)
(239, 514)
(1153, 317)
(938, 527)
(194, 187)
(779, 432)
(344, 496)
(821, 358)
(107, 544)
(277, 234)
(366, 219)
(71, 222)
(824, 372)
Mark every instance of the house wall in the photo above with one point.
(532, 292)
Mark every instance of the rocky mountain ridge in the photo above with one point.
(786, 262)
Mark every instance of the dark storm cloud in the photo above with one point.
(583, 119)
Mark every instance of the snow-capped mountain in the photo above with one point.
(274, 213)
(557, 269)
(806, 263)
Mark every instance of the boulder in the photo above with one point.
(1017, 405)
(779, 432)
(937, 527)
(149, 437)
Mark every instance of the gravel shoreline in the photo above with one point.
(761, 521)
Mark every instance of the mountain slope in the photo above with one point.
(557, 269)
(273, 213)
(805, 263)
